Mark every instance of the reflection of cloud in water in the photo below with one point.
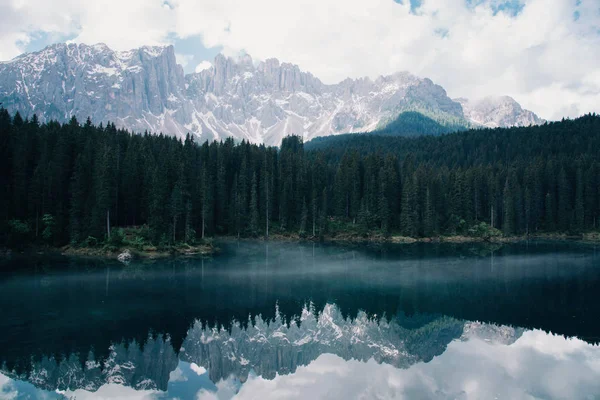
(537, 365)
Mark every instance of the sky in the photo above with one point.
(544, 53)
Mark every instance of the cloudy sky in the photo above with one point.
(544, 53)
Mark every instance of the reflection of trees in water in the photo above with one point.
(141, 367)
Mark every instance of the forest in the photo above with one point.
(79, 184)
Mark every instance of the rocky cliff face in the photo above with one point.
(139, 89)
(145, 89)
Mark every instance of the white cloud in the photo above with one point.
(543, 57)
(202, 66)
(184, 59)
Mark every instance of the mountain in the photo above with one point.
(141, 89)
(498, 112)
(145, 89)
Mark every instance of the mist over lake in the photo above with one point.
(264, 318)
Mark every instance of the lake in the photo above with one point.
(288, 320)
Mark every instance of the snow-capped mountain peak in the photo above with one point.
(146, 90)
(498, 111)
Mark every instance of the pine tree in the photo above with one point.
(266, 196)
(408, 211)
(384, 208)
(528, 210)
(314, 211)
(564, 201)
(324, 210)
(303, 218)
(207, 203)
(104, 192)
(5, 171)
(176, 207)
(92, 179)
(234, 208)
(509, 209)
(549, 222)
(429, 218)
(221, 212)
(79, 184)
(579, 203)
(254, 207)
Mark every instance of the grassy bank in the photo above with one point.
(179, 249)
(136, 242)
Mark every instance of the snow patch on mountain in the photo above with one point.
(498, 112)
(146, 90)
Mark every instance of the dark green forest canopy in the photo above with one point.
(476, 146)
(72, 183)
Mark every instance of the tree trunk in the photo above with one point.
(267, 205)
(475, 206)
(117, 184)
(347, 205)
(202, 222)
(174, 227)
(188, 211)
(108, 222)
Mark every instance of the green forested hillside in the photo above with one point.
(412, 123)
(75, 183)
(407, 125)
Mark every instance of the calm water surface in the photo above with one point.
(283, 320)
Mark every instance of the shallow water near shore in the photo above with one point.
(298, 320)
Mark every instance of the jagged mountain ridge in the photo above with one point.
(145, 89)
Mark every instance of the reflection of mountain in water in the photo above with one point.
(267, 347)
(279, 348)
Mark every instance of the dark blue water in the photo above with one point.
(288, 320)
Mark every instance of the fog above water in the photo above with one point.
(260, 317)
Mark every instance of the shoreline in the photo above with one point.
(209, 249)
(148, 252)
(590, 238)
(123, 254)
